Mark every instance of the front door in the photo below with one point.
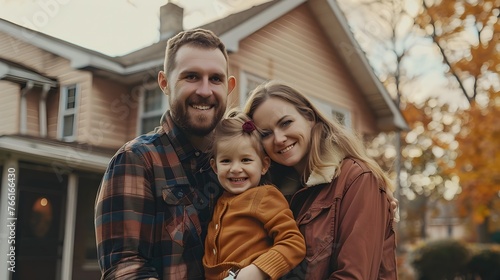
(40, 230)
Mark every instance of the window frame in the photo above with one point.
(329, 110)
(141, 115)
(63, 112)
(244, 90)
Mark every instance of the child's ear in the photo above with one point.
(266, 162)
(213, 165)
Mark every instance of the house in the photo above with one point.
(65, 110)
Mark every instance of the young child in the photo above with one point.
(253, 234)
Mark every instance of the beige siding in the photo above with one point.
(23, 53)
(67, 76)
(32, 110)
(32, 57)
(113, 114)
(294, 49)
(104, 113)
(9, 107)
(57, 67)
(134, 97)
(52, 113)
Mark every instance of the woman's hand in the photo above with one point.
(251, 272)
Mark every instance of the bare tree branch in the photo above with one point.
(445, 58)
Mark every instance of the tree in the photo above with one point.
(468, 36)
(386, 29)
(426, 147)
(478, 160)
(465, 33)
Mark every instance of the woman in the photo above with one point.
(341, 199)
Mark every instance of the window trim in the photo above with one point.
(63, 112)
(345, 112)
(245, 77)
(328, 109)
(140, 112)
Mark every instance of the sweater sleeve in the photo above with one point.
(288, 248)
(363, 219)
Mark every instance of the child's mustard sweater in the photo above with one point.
(256, 227)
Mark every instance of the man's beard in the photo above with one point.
(189, 123)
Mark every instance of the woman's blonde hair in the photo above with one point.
(330, 141)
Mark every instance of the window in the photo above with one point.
(248, 83)
(67, 113)
(343, 117)
(335, 112)
(153, 104)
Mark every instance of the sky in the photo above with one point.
(112, 27)
(118, 27)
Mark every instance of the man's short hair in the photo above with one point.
(198, 37)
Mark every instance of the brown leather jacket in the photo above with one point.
(347, 225)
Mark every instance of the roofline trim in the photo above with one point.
(17, 74)
(79, 57)
(62, 155)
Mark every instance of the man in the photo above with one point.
(156, 197)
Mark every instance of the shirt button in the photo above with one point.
(197, 153)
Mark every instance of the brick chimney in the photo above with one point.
(171, 17)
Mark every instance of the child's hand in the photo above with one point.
(251, 272)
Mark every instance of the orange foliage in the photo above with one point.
(468, 32)
(478, 161)
(415, 116)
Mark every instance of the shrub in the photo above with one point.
(485, 263)
(443, 259)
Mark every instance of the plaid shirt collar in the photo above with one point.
(187, 154)
(176, 136)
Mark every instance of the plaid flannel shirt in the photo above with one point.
(153, 207)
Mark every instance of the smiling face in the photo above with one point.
(286, 133)
(198, 87)
(238, 165)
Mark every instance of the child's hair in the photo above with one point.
(234, 125)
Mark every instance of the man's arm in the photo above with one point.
(124, 219)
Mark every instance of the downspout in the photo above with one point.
(43, 110)
(24, 109)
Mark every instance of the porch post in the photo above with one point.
(69, 231)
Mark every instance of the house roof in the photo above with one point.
(156, 52)
(232, 29)
(18, 73)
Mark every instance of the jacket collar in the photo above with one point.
(328, 173)
(317, 179)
